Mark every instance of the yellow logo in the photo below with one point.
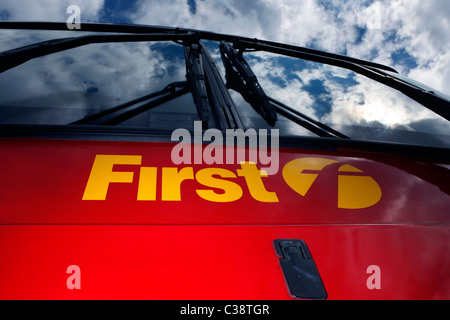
(354, 191)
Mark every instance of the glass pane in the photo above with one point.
(67, 86)
(355, 105)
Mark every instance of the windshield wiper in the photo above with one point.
(312, 125)
(241, 78)
(14, 57)
(145, 107)
(196, 79)
(204, 83)
(198, 62)
(169, 92)
(428, 99)
(219, 96)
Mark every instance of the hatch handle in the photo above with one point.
(299, 269)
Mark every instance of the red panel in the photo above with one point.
(200, 249)
(218, 262)
(44, 181)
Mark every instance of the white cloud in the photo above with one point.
(434, 73)
(425, 28)
(49, 10)
(364, 30)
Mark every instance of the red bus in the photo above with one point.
(143, 162)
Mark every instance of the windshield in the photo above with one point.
(65, 87)
(354, 105)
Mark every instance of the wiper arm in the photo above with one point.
(428, 99)
(241, 78)
(170, 89)
(435, 103)
(312, 125)
(145, 107)
(196, 79)
(12, 58)
(221, 102)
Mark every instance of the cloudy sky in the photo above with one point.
(412, 36)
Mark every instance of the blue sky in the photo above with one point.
(413, 36)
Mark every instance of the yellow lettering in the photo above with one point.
(147, 184)
(348, 168)
(102, 175)
(355, 189)
(358, 192)
(171, 182)
(253, 177)
(301, 182)
(232, 191)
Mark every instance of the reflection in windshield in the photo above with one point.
(85, 80)
(350, 103)
(67, 86)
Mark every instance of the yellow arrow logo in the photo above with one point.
(354, 191)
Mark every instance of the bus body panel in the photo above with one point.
(377, 226)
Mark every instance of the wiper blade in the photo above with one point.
(97, 117)
(312, 125)
(241, 78)
(12, 58)
(205, 35)
(145, 107)
(435, 103)
(426, 97)
(196, 79)
(219, 97)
